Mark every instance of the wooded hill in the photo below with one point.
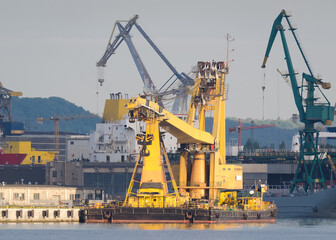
(26, 110)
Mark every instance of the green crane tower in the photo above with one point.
(311, 109)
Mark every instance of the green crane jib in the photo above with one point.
(311, 109)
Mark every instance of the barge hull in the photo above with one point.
(181, 222)
(175, 215)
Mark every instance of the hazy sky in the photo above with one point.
(50, 48)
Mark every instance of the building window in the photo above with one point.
(98, 194)
(18, 196)
(90, 196)
(54, 174)
(74, 196)
(2, 196)
(39, 159)
(72, 143)
(36, 196)
(107, 158)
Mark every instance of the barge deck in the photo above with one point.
(175, 215)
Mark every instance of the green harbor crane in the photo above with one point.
(311, 109)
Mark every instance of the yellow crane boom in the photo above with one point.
(184, 132)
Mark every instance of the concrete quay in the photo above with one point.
(39, 215)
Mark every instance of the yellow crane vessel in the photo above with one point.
(208, 189)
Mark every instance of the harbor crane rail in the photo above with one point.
(311, 109)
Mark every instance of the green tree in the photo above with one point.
(255, 145)
(251, 145)
(248, 144)
(282, 145)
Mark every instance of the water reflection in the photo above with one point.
(227, 226)
(308, 222)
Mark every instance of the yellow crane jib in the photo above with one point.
(143, 109)
(15, 94)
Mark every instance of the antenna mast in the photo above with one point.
(263, 96)
(228, 50)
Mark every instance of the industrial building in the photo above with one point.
(23, 174)
(45, 141)
(113, 178)
(77, 147)
(44, 195)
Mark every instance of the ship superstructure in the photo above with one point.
(32, 156)
(114, 138)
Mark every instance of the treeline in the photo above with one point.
(27, 110)
(268, 138)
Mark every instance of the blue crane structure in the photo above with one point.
(149, 87)
(311, 109)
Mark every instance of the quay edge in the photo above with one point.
(15, 215)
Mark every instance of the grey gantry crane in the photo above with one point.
(180, 105)
(7, 125)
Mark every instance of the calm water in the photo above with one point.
(283, 229)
